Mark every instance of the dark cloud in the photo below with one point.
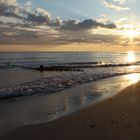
(39, 19)
(56, 22)
(38, 16)
(8, 10)
(19, 36)
(86, 24)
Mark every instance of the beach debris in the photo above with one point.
(124, 116)
(138, 123)
(129, 125)
(114, 121)
(92, 125)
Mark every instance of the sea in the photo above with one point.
(29, 96)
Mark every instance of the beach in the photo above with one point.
(69, 70)
(115, 118)
(67, 104)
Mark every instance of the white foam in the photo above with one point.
(52, 84)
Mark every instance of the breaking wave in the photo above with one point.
(49, 85)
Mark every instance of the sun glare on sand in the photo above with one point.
(134, 78)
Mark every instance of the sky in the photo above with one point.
(69, 25)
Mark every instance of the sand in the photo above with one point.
(117, 118)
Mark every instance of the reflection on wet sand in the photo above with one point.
(52, 106)
(133, 78)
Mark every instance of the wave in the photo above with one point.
(51, 84)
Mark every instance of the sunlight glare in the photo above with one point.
(134, 78)
(131, 57)
(131, 33)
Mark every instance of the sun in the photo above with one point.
(131, 34)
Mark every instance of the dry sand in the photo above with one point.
(117, 118)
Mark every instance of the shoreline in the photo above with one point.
(115, 118)
(41, 109)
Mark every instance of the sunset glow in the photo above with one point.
(131, 34)
(64, 69)
(104, 25)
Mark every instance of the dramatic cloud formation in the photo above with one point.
(40, 16)
(23, 24)
(113, 6)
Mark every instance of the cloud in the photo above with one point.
(38, 16)
(26, 13)
(23, 23)
(9, 8)
(8, 2)
(13, 20)
(121, 1)
(12, 9)
(57, 22)
(86, 24)
(28, 4)
(121, 20)
(116, 7)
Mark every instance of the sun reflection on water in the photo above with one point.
(131, 57)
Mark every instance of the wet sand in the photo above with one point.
(117, 118)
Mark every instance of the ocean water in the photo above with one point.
(28, 96)
(16, 80)
(36, 58)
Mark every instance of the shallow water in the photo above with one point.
(49, 107)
